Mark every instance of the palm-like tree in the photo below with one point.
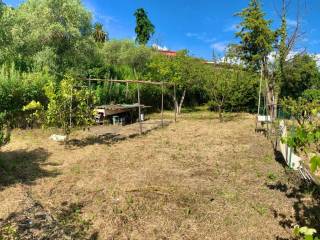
(99, 34)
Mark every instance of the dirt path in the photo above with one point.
(197, 179)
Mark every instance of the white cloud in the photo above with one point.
(291, 22)
(231, 28)
(219, 46)
(317, 57)
(163, 48)
(203, 36)
(97, 16)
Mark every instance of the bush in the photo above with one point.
(68, 104)
(17, 90)
(4, 129)
(311, 95)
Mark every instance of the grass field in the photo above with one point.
(194, 179)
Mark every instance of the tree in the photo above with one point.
(7, 19)
(285, 45)
(186, 72)
(2, 6)
(4, 129)
(99, 34)
(256, 37)
(301, 74)
(283, 49)
(256, 44)
(53, 31)
(231, 89)
(144, 28)
(219, 88)
(68, 105)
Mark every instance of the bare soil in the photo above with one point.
(194, 179)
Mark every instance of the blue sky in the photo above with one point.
(199, 26)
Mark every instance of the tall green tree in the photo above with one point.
(54, 32)
(99, 34)
(256, 43)
(7, 19)
(2, 5)
(256, 36)
(144, 28)
(301, 74)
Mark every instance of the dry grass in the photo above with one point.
(196, 179)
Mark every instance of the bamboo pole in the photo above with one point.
(261, 77)
(175, 102)
(162, 105)
(128, 81)
(140, 123)
(70, 113)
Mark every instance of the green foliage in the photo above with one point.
(311, 95)
(99, 34)
(60, 27)
(35, 113)
(232, 89)
(69, 104)
(18, 89)
(126, 53)
(307, 233)
(144, 28)
(305, 135)
(272, 176)
(315, 163)
(4, 129)
(301, 74)
(256, 37)
(7, 17)
(9, 232)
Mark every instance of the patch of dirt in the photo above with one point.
(196, 179)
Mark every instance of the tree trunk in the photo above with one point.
(220, 113)
(181, 100)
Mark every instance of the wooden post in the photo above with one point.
(140, 123)
(261, 77)
(88, 100)
(162, 105)
(175, 103)
(70, 113)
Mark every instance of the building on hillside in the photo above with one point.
(168, 53)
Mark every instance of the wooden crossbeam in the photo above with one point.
(129, 81)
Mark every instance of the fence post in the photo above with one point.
(140, 124)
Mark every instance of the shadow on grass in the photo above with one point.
(23, 166)
(107, 138)
(110, 138)
(192, 109)
(304, 195)
(36, 222)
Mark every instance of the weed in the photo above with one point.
(272, 176)
(8, 232)
(76, 169)
(72, 223)
(260, 208)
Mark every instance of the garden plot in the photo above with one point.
(196, 179)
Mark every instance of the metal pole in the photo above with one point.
(140, 124)
(162, 105)
(175, 103)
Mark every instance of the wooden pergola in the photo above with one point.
(138, 82)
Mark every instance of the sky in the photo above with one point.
(201, 26)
